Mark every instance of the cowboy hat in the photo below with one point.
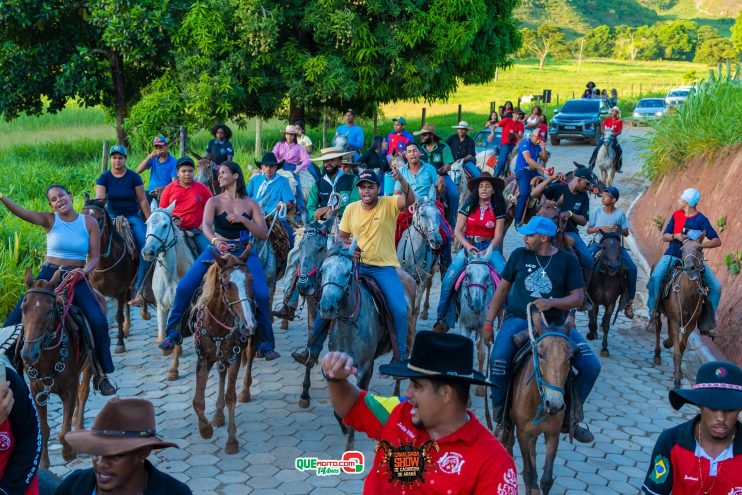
(462, 125)
(123, 425)
(333, 152)
(497, 183)
(269, 158)
(427, 129)
(438, 355)
(290, 129)
(718, 386)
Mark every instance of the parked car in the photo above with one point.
(579, 120)
(677, 96)
(487, 151)
(649, 110)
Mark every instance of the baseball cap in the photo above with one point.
(117, 148)
(159, 140)
(691, 196)
(539, 225)
(401, 120)
(613, 191)
(350, 110)
(368, 176)
(583, 173)
(541, 133)
(184, 160)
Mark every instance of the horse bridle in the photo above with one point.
(427, 234)
(603, 268)
(102, 222)
(55, 312)
(484, 287)
(345, 288)
(303, 278)
(164, 246)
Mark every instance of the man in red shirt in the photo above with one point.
(427, 441)
(189, 197)
(614, 123)
(703, 455)
(512, 131)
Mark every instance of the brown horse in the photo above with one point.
(223, 325)
(606, 286)
(510, 193)
(53, 357)
(682, 307)
(538, 399)
(117, 270)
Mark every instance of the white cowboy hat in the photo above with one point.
(333, 152)
(616, 109)
(290, 129)
(462, 125)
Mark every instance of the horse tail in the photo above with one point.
(121, 224)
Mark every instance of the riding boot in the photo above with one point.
(172, 338)
(305, 357)
(138, 301)
(582, 433)
(628, 310)
(102, 384)
(285, 312)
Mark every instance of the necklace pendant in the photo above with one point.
(543, 273)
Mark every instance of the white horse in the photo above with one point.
(606, 158)
(166, 244)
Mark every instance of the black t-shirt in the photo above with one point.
(219, 151)
(540, 277)
(459, 148)
(579, 203)
(371, 159)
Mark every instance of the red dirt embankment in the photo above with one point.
(720, 184)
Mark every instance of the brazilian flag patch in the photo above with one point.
(661, 469)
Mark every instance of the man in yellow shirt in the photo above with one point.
(372, 221)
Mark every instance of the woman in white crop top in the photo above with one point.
(73, 245)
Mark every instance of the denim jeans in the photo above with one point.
(523, 176)
(446, 312)
(503, 352)
(200, 239)
(452, 196)
(88, 304)
(394, 297)
(631, 271)
(502, 159)
(582, 251)
(472, 169)
(139, 232)
(190, 282)
(661, 270)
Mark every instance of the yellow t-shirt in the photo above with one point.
(374, 230)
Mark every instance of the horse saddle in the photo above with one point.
(377, 295)
(190, 239)
(707, 319)
(83, 333)
(512, 191)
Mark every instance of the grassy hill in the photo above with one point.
(575, 17)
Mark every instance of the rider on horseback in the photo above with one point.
(512, 131)
(614, 123)
(231, 219)
(398, 139)
(684, 222)
(219, 149)
(463, 148)
(527, 167)
(71, 239)
(190, 198)
(480, 226)
(549, 278)
(352, 132)
(161, 165)
(439, 156)
(269, 189)
(372, 221)
(604, 220)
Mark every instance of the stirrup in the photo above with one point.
(171, 339)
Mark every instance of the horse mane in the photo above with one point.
(210, 287)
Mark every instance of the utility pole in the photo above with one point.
(579, 59)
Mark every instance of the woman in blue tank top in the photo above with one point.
(231, 219)
(73, 245)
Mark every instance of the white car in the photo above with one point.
(678, 95)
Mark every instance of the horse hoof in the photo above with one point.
(284, 325)
(667, 343)
(304, 403)
(232, 447)
(120, 349)
(424, 315)
(480, 391)
(206, 431)
(604, 353)
(146, 315)
(657, 360)
(591, 336)
(172, 375)
(217, 421)
(245, 397)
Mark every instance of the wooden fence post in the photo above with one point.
(459, 119)
(324, 130)
(492, 106)
(183, 138)
(104, 157)
(259, 138)
(423, 117)
(376, 119)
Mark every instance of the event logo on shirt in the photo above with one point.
(490, 224)
(351, 463)
(451, 463)
(737, 490)
(538, 282)
(5, 442)
(509, 485)
(406, 464)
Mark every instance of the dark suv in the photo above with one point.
(578, 120)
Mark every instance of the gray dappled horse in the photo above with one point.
(418, 250)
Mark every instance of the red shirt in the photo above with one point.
(189, 202)
(470, 460)
(7, 445)
(480, 223)
(509, 125)
(616, 123)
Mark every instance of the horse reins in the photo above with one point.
(345, 288)
(702, 292)
(164, 246)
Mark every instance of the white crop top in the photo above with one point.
(68, 240)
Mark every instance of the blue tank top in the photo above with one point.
(68, 240)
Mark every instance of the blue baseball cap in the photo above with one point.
(159, 140)
(613, 191)
(539, 225)
(117, 148)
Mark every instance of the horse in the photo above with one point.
(273, 252)
(682, 307)
(477, 286)
(223, 325)
(357, 329)
(418, 250)
(606, 159)
(207, 175)
(538, 398)
(53, 357)
(166, 244)
(341, 141)
(117, 271)
(606, 286)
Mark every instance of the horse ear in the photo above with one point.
(218, 258)
(569, 325)
(538, 323)
(55, 278)
(28, 278)
(352, 247)
(153, 205)
(246, 253)
(170, 208)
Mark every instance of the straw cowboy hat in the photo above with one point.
(123, 425)
(462, 125)
(427, 129)
(333, 152)
(290, 129)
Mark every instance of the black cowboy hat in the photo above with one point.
(438, 355)
(269, 158)
(718, 386)
(497, 184)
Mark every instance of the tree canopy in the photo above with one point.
(547, 40)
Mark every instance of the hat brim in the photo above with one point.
(332, 156)
(461, 127)
(526, 230)
(277, 165)
(718, 399)
(401, 370)
(361, 181)
(420, 133)
(497, 183)
(89, 443)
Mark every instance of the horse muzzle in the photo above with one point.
(148, 253)
(553, 402)
(31, 353)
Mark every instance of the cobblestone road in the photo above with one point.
(626, 411)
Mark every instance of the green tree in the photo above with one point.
(599, 42)
(707, 33)
(677, 39)
(636, 43)
(547, 40)
(737, 32)
(242, 58)
(716, 50)
(96, 51)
